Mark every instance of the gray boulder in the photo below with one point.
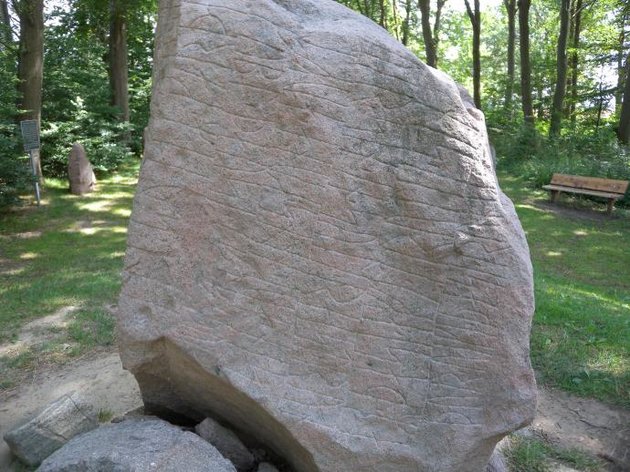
(498, 462)
(227, 443)
(137, 445)
(52, 428)
(266, 467)
(319, 252)
(80, 173)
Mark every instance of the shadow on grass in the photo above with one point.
(75, 256)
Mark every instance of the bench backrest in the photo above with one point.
(590, 183)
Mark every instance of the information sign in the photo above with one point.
(30, 134)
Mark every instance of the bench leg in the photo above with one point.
(611, 205)
(554, 195)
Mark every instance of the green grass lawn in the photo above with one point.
(67, 253)
(581, 333)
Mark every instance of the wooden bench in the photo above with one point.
(613, 190)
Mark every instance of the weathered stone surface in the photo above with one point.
(227, 443)
(80, 173)
(266, 467)
(319, 253)
(137, 445)
(498, 461)
(52, 428)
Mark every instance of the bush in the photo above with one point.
(526, 153)
(15, 175)
(15, 179)
(96, 132)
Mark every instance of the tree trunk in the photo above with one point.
(561, 70)
(6, 37)
(395, 32)
(526, 70)
(475, 21)
(621, 69)
(510, 6)
(624, 121)
(31, 64)
(383, 16)
(436, 28)
(31, 58)
(427, 35)
(118, 68)
(540, 102)
(574, 61)
(406, 24)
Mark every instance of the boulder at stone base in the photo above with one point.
(65, 418)
(137, 445)
(227, 443)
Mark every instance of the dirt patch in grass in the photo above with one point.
(99, 376)
(570, 433)
(600, 430)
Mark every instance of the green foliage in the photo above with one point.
(15, 176)
(76, 88)
(99, 134)
(525, 152)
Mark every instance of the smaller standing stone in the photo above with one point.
(65, 418)
(228, 444)
(266, 467)
(80, 173)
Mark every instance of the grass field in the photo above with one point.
(69, 253)
(581, 333)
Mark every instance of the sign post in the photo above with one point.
(30, 136)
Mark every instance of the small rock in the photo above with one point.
(497, 463)
(137, 445)
(65, 418)
(266, 467)
(228, 444)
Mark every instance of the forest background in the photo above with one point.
(550, 76)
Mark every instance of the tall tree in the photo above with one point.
(576, 30)
(526, 69)
(510, 6)
(475, 21)
(118, 66)
(6, 36)
(31, 57)
(383, 14)
(561, 70)
(406, 26)
(431, 34)
(621, 67)
(624, 121)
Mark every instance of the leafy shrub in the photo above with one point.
(526, 153)
(15, 179)
(100, 136)
(15, 176)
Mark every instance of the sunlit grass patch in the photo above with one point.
(581, 331)
(91, 328)
(73, 255)
(537, 455)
